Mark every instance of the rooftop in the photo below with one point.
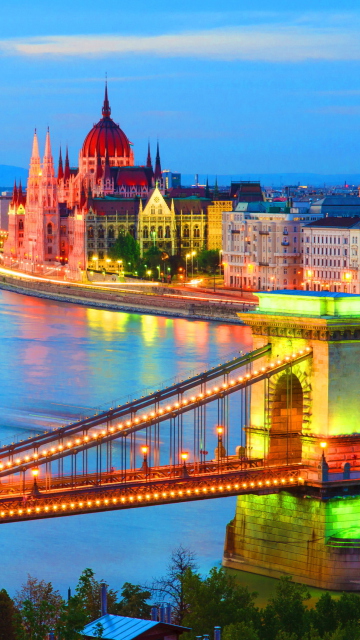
(335, 222)
(123, 628)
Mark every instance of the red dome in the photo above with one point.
(106, 137)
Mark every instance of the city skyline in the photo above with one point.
(238, 92)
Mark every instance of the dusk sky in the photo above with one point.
(230, 87)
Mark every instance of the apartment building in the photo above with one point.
(331, 254)
(262, 246)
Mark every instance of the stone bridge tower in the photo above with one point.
(310, 416)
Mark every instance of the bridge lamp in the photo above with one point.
(35, 472)
(323, 445)
(184, 456)
(144, 451)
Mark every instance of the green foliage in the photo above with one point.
(152, 258)
(40, 609)
(209, 260)
(127, 249)
(287, 611)
(240, 631)
(217, 600)
(99, 630)
(88, 595)
(134, 602)
(7, 617)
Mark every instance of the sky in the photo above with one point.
(236, 87)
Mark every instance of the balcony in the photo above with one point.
(263, 232)
(285, 232)
(263, 264)
(285, 243)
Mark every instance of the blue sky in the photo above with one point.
(233, 87)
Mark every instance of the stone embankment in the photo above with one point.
(157, 301)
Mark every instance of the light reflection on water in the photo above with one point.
(58, 362)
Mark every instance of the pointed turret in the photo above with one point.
(158, 174)
(106, 111)
(67, 166)
(148, 160)
(48, 163)
(99, 170)
(35, 167)
(60, 167)
(19, 194)
(216, 188)
(14, 195)
(107, 172)
(82, 196)
(207, 190)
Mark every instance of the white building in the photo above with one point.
(331, 255)
(262, 249)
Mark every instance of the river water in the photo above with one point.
(59, 361)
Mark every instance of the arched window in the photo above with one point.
(167, 232)
(21, 225)
(153, 233)
(90, 232)
(160, 232)
(101, 232)
(132, 230)
(111, 232)
(152, 210)
(186, 231)
(160, 211)
(49, 229)
(196, 232)
(145, 232)
(63, 230)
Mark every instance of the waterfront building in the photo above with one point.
(5, 199)
(262, 246)
(73, 216)
(331, 254)
(171, 179)
(214, 212)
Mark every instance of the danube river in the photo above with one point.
(60, 361)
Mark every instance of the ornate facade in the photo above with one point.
(72, 218)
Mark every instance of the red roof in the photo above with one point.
(132, 178)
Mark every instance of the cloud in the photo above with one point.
(297, 41)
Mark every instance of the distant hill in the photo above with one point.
(9, 173)
(277, 179)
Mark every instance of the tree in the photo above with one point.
(152, 258)
(209, 260)
(286, 611)
(172, 585)
(127, 249)
(324, 616)
(7, 617)
(88, 595)
(217, 600)
(133, 603)
(240, 631)
(40, 608)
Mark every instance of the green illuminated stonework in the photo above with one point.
(315, 540)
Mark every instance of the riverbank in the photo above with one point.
(163, 302)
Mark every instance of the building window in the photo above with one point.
(152, 211)
(196, 232)
(101, 255)
(186, 231)
(49, 249)
(21, 225)
(111, 233)
(145, 232)
(101, 232)
(167, 232)
(160, 232)
(63, 230)
(90, 232)
(49, 229)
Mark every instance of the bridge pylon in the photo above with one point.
(308, 414)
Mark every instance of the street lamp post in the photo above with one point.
(184, 471)
(145, 466)
(220, 448)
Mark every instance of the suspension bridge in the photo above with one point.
(152, 450)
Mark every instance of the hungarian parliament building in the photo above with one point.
(73, 216)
